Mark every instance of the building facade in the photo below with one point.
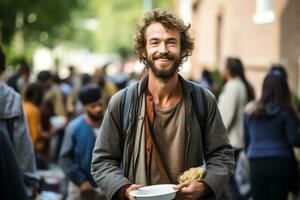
(260, 32)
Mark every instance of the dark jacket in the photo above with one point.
(11, 179)
(111, 167)
(12, 120)
(271, 135)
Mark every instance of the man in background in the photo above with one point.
(78, 144)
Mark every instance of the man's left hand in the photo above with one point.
(189, 190)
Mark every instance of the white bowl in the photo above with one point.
(155, 192)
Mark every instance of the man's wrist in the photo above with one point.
(120, 194)
(207, 190)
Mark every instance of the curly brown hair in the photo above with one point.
(169, 21)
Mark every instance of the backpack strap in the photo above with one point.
(199, 105)
(200, 108)
(127, 99)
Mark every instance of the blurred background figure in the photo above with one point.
(13, 123)
(271, 129)
(207, 81)
(78, 145)
(73, 105)
(236, 92)
(33, 98)
(105, 82)
(53, 114)
(279, 68)
(73, 79)
(20, 79)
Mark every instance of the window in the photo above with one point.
(264, 12)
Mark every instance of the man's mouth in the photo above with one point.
(163, 59)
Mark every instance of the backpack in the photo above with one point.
(198, 102)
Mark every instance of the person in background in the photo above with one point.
(276, 67)
(206, 80)
(236, 93)
(19, 80)
(53, 112)
(32, 100)
(73, 79)
(13, 122)
(74, 107)
(78, 144)
(271, 129)
(163, 137)
(53, 95)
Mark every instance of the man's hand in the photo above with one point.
(85, 186)
(189, 190)
(130, 189)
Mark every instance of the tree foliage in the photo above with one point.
(51, 22)
(34, 17)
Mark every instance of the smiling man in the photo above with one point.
(163, 136)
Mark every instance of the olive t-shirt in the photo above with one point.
(169, 140)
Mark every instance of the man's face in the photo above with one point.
(95, 110)
(162, 50)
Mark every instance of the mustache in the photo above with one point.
(163, 56)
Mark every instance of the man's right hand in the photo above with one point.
(130, 189)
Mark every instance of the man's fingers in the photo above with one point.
(134, 187)
(181, 185)
(130, 189)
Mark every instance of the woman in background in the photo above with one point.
(271, 129)
(33, 97)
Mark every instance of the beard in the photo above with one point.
(95, 117)
(164, 74)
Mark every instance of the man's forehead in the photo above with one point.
(156, 29)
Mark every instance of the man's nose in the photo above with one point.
(162, 48)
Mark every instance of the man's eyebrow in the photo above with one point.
(168, 39)
(173, 39)
(154, 38)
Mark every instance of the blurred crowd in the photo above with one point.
(60, 113)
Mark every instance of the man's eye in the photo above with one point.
(172, 43)
(153, 43)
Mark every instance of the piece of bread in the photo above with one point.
(192, 174)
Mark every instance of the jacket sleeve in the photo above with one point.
(67, 159)
(24, 147)
(292, 129)
(107, 156)
(218, 151)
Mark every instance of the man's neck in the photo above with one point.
(165, 93)
(92, 122)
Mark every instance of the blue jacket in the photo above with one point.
(271, 135)
(77, 149)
